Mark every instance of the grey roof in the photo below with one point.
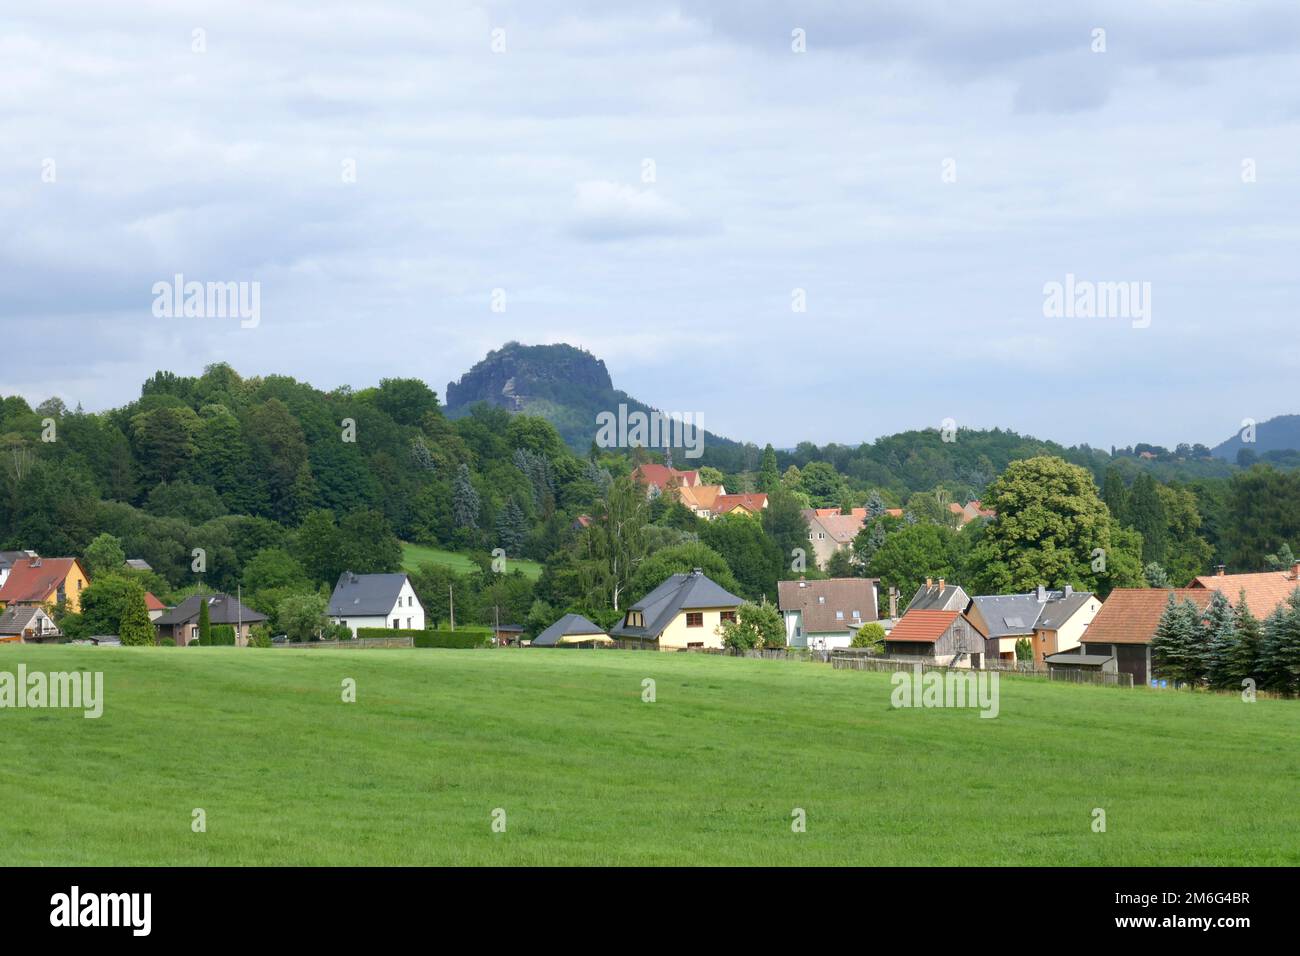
(1013, 615)
(138, 564)
(222, 609)
(7, 558)
(365, 595)
(1008, 615)
(15, 620)
(933, 598)
(571, 625)
(1061, 607)
(679, 592)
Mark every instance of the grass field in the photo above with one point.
(414, 555)
(588, 773)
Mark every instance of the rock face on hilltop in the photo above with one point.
(565, 385)
(516, 376)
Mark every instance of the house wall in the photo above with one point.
(821, 541)
(678, 635)
(1071, 633)
(354, 623)
(73, 585)
(1132, 659)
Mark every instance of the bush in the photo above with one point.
(462, 637)
(167, 642)
(259, 635)
(221, 635)
(870, 635)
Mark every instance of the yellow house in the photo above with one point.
(683, 613)
(38, 582)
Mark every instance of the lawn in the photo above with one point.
(586, 772)
(414, 555)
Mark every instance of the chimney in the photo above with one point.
(941, 583)
(1042, 594)
(929, 583)
(1069, 589)
(1219, 570)
(697, 571)
(893, 603)
(1295, 571)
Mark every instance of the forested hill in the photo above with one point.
(565, 385)
(1280, 434)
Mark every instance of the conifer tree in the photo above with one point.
(1243, 659)
(1221, 624)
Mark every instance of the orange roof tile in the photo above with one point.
(1265, 590)
(1131, 615)
(756, 501)
(922, 626)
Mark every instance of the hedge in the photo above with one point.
(461, 637)
(221, 635)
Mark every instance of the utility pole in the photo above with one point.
(497, 635)
(451, 603)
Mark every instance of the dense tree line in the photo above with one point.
(274, 487)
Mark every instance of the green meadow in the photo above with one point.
(586, 772)
(414, 555)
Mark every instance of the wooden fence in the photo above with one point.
(362, 643)
(857, 662)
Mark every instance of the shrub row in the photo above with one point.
(461, 637)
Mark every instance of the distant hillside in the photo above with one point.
(565, 385)
(1276, 434)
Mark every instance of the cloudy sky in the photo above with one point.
(653, 181)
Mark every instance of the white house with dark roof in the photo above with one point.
(376, 600)
(826, 613)
(684, 612)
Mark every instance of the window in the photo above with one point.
(695, 644)
(408, 624)
(728, 615)
(856, 615)
(397, 624)
(839, 615)
(821, 599)
(694, 618)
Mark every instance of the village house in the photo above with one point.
(26, 625)
(181, 623)
(829, 531)
(1265, 590)
(7, 559)
(39, 582)
(685, 611)
(939, 637)
(572, 630)
(1050, 621)
(965, 514)
(750, 504)
(938, 597)
(376, 600)
(827, 613)
(155, 607)
(1127, 621)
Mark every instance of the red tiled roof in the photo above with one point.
(922, 626)
(1131, 615)
(856, 512)
(661, 476)
(152, 603)
(1264, 591)
(35, 585)
(753, 502)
